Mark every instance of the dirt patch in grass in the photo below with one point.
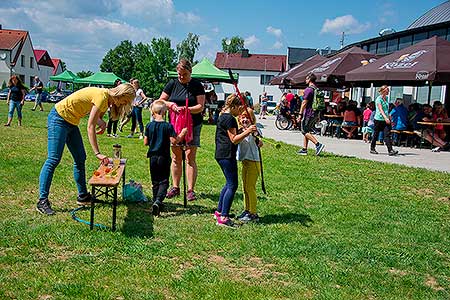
(398, 272)
(432, 283)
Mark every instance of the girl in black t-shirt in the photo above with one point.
(15, 99)
(227, 139)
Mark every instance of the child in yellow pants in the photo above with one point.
(248, 154)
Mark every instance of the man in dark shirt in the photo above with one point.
(38, 88)
(308, 117)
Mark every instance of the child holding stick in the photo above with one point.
(227, 139)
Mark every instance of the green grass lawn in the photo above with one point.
(331, 228)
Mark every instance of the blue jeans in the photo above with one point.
(15, 105)
(230, 170)
(136, 115)
(60, 133)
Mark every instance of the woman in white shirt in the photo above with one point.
(136, 113)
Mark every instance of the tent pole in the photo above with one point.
(430, 85)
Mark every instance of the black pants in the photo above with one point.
(380, 126)
(112, 125)
(159, 173)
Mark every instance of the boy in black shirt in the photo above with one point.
(159, 135)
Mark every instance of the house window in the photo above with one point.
(22, 78)
(381, 47)
(31, 81)
(31, 63)
(418, 37)
(373, 48)
(442, 33)
(422, 94)
(392, 45)
(22, 60)
(405, 41)
(396, 92)
(265, 79)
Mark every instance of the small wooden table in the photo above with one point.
(104, 184)
(432, 124)
(333, 117)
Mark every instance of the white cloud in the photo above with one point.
(215, 29)
(275, 31)
(277, 45)
(347, 24)
(251, 41)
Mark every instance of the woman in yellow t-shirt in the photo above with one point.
(63, 130)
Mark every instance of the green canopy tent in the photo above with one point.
(100, 78)
(66, 76)
(206, 71)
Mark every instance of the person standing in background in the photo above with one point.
(15, 99)
(38, 88)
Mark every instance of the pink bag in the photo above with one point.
(183, 119)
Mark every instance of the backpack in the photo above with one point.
(318, 100)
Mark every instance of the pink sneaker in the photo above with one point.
(225, 222)
(173, 192)
(216, 215)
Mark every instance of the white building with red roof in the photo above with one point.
(45, 65)
(17, 56)
(255, 71)
(57, 66)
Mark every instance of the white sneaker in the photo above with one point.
(141, 137)
(436, 149)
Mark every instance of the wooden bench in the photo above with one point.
(105, 184)
(358, 129)
(410, 137)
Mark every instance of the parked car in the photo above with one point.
(4, 94)
(32, 96)
(58, 96)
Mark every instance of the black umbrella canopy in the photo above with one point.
(280, 79)
(427, 61)
(331, 72)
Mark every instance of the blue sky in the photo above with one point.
(80, 32)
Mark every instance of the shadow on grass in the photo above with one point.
(139, 220)
(304, 220)
(172, 209)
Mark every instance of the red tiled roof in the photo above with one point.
(43, 58)
(256, 62)
(56, 62)
(10, 38)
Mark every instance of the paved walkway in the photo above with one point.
(421, 158)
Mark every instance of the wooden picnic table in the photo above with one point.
(105, 183)
(432, 124)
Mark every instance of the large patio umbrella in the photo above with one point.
(100, 78)
(207, 71)
(281, 79)
(427, 62)
(66, 76)
(331, 72)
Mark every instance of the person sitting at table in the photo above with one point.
(338, 110)
(426, 132)
(439, 115)
(350, 120)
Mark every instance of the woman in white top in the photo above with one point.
(136, 113)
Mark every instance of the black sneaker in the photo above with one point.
(84, 200)
(302, 152)
(245, 212)
(44, 207)
(319, 148)
(393, 152)
(373, 151)
(155, 208)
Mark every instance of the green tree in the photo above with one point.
(187, 47)
(119, 60)
(83, 74)
(234, 44)
(4, 85)
(152, 63)
(63, 65)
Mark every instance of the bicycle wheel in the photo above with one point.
(282, 123)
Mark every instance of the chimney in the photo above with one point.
(244, 53)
